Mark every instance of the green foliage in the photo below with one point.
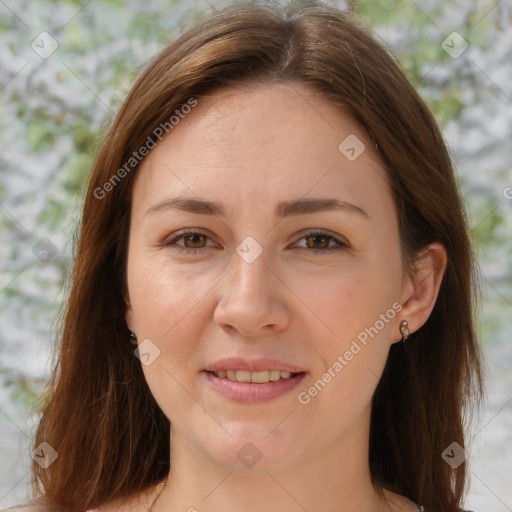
(380, 13)
(485, 233)
(83, 137)
(78, 165)
(23, 392)
(40, 135)
(142, 25)
(52, 213)
(446, 106)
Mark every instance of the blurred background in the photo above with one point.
(65, 67)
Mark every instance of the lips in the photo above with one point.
(251, 392)
(253, 381)
(245, 376)
(254, 365)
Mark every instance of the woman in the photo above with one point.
(271, 305)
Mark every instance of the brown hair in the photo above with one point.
(99, 414)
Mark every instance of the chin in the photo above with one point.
(256, 454)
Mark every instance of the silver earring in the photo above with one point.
(404, 330)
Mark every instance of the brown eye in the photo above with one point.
(195, 240)
(321, 242)
(188, 241)
(317, 241)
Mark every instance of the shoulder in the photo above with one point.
(34, 506)
(138, 502)
(461, 510)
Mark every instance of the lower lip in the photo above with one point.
(251, 392)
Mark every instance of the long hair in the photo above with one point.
(111, 437)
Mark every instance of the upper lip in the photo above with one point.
(252, 365)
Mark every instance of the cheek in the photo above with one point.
(168, 304)
(347, 300)
(354, 311)
(164, 295)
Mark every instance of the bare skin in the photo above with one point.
(249, 149)
(144, 501)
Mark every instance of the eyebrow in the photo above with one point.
(283, 209)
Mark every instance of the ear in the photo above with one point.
(128, 316)
(420, 293)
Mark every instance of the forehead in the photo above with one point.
(265, 143)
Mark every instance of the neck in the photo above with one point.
(335, 478)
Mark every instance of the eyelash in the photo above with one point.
(340, 245)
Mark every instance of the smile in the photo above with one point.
(259, 377)
(253, 387)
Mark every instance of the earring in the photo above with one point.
(404, 330)
(133, 339)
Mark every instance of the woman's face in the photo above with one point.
(273, 276)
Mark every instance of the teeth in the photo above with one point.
(259, 377)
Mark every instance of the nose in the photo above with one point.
(253, 299)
